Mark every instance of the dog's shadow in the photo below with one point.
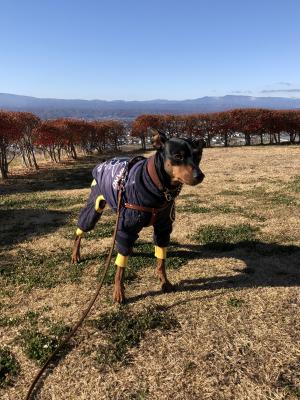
(266, 265)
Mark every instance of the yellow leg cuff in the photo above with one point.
(160, 252)
(100, 204)
(79, 232)
(94, 183)
(121, 261)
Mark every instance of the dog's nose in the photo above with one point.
(198, 176)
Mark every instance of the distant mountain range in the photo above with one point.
(120, 109)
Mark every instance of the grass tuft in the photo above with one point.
(39, 346)
(234, 302)
(193, 208)
(9, 321)
(294, 185)
(289, 379)
(31, 269)
(9, 367)
(218, 238)
(125, 330)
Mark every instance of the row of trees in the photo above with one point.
(252, 123)
(24, 133)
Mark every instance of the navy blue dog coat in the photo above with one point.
(139, 190)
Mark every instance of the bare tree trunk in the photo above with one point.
(143, 142)
(27, 151)
(36, 167)
(247, 139)
(292, 138)
(261, 138)
(59, 154)
(23, 157)
(225, 139)
(208, 140)
(73, 152)
(3, 162)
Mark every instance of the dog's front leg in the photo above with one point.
(76, 250)
(119, 290)
(161, 254)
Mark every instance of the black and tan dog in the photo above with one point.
(148, 199)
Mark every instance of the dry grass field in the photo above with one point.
(230, 331)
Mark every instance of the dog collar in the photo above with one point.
(153, 174)
(170, 194)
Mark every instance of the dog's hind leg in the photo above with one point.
(88, 218)
(161, 255)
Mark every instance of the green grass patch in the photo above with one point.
(270, 198)
(37, 345)
(190, 196)
(220, 209)
(294, 185)
(124, 330)
(224, 209)
(31, 270)
(144, 256)
(40, 201)
(279, 198)
(250, 214)
(10, 321)
(234, 302)
(261, 194)
(229, 193)
(214, 237)
(193, 208)
(9, 367)
(102, 230)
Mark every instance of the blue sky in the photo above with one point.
(141, 50)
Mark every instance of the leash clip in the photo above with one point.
(168, 197)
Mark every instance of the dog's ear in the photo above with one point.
(198, 143)
(202, 143)
(158, 138)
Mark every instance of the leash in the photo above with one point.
(91, 303)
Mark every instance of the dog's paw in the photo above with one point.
(75, 259)
(167, 287)
(119, 295)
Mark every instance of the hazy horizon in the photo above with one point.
(152, 99)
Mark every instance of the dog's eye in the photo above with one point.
(178, 157)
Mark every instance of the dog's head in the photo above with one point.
(182, 157)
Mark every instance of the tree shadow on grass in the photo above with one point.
(72, 174)
(69, 177)
(267, 265)
(24, 224)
